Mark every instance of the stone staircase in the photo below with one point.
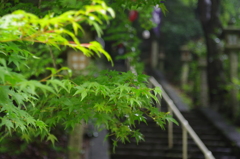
(155, 145)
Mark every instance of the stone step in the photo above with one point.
(178, 136)
(163, 148)
(170, 156)
(156, 142)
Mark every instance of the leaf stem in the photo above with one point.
(53, 58)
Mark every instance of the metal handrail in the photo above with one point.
(185, 125)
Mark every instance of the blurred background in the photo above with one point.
(195, 44)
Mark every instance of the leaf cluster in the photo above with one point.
(34, 107)
(123, 31)
(116, 100)
(23, 26)
(18, 94)
(198, 47)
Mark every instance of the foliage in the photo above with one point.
(182, 25)
(124, 32)
(230, 11)
(39, 64)
(114, 99)
(33, 107)
(198, 47)
(192, 3)
(198, 50)
(22, 26)
(18, 93)
(15, 147)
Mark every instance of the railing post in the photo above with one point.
(159, 102)
(170, 130)
(187, 129)
(185, 140)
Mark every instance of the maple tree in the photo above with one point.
(32, 107)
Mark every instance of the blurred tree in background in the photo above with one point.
(191, 20)
(178, 27)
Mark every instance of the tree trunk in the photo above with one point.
(76, 137)
(209, 12)
(75, 144)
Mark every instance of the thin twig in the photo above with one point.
(53, 58)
